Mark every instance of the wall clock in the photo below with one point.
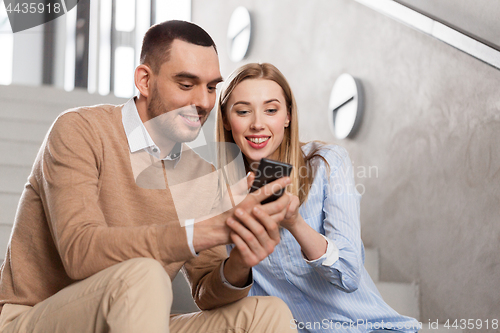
(238, 34)
(345, 107)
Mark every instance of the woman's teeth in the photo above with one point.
(258, 140)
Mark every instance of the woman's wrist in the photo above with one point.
(312, 243)
(297, 226)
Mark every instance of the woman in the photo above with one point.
(317, 268)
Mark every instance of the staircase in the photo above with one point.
(26, 114)
(402, 297)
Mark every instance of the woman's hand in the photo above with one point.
(292, 215)
(313, 245)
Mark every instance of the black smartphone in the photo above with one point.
(267, 172)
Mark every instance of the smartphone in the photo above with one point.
(267, 172)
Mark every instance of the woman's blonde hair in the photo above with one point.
(290, 149)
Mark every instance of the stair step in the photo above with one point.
(19, 131)
(372, 263)
(13, 178)
(41, 105)
(31, 111)
(5, 231)
(18, 153)
(402, 297)
(8, 207)
(56, 100)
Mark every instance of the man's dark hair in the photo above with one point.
(158, 40)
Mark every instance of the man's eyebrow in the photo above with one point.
(217, 80)
(186, 75)
(190, 76)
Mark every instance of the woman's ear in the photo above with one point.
(287, 121)
(226, 124)
(142, 79)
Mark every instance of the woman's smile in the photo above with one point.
(258, 142)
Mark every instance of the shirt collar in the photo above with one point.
(138, 137)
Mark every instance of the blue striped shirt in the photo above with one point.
(337, 298)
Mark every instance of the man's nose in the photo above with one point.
(204, 100)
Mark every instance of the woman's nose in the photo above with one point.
(257, 123)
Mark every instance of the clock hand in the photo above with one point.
(239, 32)
(344, 103)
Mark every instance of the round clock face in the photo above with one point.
(345, 107)
(238, 34)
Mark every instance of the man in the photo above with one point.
(92, 251)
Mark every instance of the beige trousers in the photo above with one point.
(136, 296)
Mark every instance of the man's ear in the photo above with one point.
(142, 77)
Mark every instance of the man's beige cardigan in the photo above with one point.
(81, 211)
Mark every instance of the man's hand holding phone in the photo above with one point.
(254, 230)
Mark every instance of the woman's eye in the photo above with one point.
(272, 110)
(241, 112)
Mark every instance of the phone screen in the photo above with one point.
(267, 172)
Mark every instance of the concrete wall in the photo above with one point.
(430, 135)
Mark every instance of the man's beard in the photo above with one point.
(161, 124)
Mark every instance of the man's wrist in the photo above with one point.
(236, 274)
(231, 285)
